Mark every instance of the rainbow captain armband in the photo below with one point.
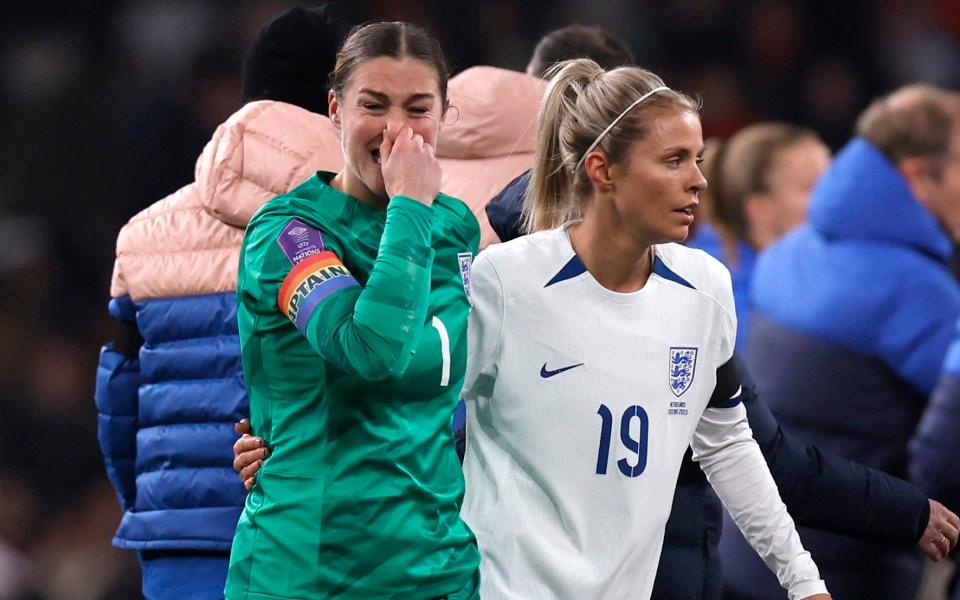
(311, 281)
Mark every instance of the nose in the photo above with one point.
(698, 182)
(395, 121)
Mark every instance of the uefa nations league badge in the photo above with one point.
(299, 241)
(466, 261)
(683, 363)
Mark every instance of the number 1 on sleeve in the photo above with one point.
(444, 350)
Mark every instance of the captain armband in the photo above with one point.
(728, 392)
(317, 273)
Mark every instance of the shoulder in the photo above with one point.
(308, 202)
(694, 269)
(175, 247)
(876, 279)
(457, 217)
(526, 264)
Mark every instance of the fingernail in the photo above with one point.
(261, 442)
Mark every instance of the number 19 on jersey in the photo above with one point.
(636, 446)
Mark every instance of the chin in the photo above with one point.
(677, 236)
(373, 179)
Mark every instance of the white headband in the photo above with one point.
(613, 124)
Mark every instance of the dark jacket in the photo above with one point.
(854, 312)
(936, 446)
(820, 490)
(504, 210)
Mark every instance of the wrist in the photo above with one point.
(923, 521)
(419, 198)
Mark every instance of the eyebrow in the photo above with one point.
(380, 96)
(683, 151)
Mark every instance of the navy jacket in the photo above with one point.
(504, 210)
(820, 490)
(854, 312)
(936, 445)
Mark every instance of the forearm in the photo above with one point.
(842, 496)
(373, 332)
(731, 459)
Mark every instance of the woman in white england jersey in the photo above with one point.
(599, 351)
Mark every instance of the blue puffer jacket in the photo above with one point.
(854, 312)
(170, 387)
(177, 401)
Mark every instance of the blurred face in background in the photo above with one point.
(783, 206)
(941, 194)
(382, 96)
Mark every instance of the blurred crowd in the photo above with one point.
(105, 106)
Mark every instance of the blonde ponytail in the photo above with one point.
(550, 199)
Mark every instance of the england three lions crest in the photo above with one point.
(682, 367)
(466, 262)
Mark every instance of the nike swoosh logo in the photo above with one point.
(546, 373)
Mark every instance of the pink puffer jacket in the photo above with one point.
(189, 242)
(492, 140)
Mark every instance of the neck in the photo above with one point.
(353, 186)
(618, 261)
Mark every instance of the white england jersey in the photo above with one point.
(581, 403)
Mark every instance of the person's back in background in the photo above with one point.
(170, 387)
(854, 312)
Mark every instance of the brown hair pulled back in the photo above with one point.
(396, 39)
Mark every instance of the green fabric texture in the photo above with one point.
(361, 495)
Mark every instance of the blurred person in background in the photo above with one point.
(170, 386)
(760, 184)
(854, 312)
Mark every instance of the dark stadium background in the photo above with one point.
(104, 107)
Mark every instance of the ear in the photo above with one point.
(917, 172)
(447, 111)
(333, 107)
(599, 170)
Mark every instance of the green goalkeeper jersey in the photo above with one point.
(353, 327)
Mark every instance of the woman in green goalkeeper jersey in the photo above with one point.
(353, 298)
